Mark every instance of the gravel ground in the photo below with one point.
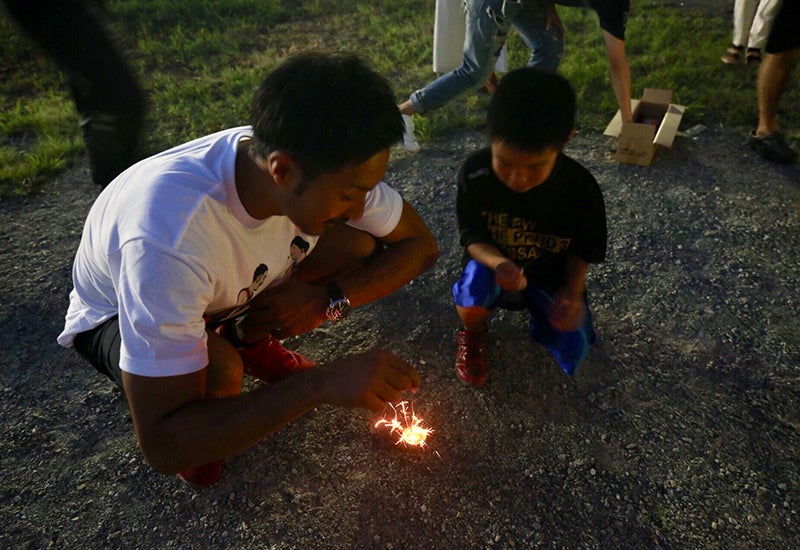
(679, 431)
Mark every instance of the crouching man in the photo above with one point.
(195, 262)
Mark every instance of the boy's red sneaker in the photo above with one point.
(269, 361)
(202, 476)
(472, 366)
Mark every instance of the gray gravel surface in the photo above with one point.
(681, 430)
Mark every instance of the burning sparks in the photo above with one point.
(406, 425)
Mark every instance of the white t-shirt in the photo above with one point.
(168, 246)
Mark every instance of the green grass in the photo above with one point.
(199, 61)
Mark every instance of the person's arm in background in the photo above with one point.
(620, 73)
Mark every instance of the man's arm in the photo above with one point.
(620, 73)
(410, 250)
(298, 305)
(178, 425)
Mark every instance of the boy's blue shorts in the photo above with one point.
(478, 288)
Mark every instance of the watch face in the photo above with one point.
(338, 310)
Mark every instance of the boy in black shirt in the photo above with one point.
(531, 220)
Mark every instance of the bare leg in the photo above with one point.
(473, 318)
(772, 79)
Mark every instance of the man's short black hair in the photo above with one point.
(326, 111)
(532, 110)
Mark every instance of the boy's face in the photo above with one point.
(521, 170)
(334, 197)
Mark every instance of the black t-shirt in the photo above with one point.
(613, 13)
(537, 229)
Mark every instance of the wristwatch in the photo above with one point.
(339, 306)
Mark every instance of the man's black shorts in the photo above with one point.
(100, 346)
(785, 34)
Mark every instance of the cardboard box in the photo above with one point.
(655, 122)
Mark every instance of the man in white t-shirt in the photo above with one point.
(186, 278)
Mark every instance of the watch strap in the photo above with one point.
(334, 292)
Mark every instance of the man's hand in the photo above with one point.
(510, 276)
(288, 309)
(552, 20)
(368, 380)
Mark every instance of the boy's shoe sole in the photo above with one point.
(772, 147)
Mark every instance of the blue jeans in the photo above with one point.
(488, 23)
(477, 288)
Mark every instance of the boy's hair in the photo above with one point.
(532, 110)
(326, 111)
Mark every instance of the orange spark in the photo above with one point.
(406, 425)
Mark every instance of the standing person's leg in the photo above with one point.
(743, 11)
(107, 96)
(546, 45)
(772, 79)
(759, 30)
(762, 23)
(487, 27)
(783, 50)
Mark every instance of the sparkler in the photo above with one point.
(406, 425)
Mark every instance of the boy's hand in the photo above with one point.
(368, 380)
(510, 276)
(567, 313)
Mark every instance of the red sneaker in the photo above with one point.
(270, 361)
(201, 476)
(472, 366)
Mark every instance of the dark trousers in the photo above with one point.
(108, 97)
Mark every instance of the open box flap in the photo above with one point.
(669, 125)
(656, 95)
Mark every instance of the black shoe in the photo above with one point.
(772, 147)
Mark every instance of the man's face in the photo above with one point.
(334, 197)
(521, 170)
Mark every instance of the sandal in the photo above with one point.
(753, 56)
(733, 55)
